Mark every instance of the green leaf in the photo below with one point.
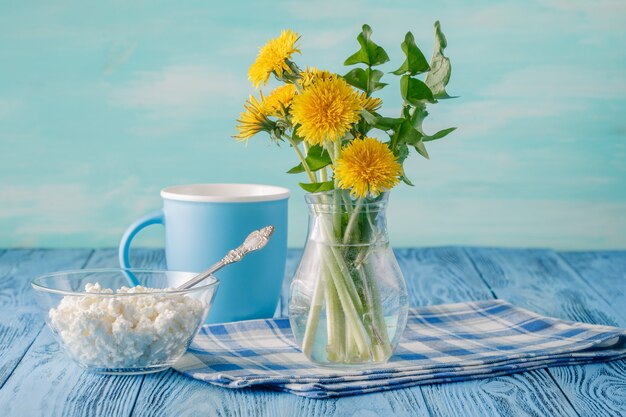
(415, 62)
(365, 79)
(317, 158)
(415, 91)
(418, 116)
(318, 186)
(379, 122)
(440, 68)
(405, 179)
(370, 53)
(375, 76)
(357, 78)
(407, 133)
(402, 153)
(369, 117)
(421, 149)
(439, 135)
(296, 170)
(387, 123)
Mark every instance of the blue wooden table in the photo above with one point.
(36, 379)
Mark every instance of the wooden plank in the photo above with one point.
(21, 320)
(18, 267)
(606, 273)
(171, 393)
(148, 258)
(46, 382)
(541, 281)
(446, 275)
(500, 393)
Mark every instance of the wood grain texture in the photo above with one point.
(446, 275)
(17, 332)
(18, 267)
(439, 276)
(21, 320)
(595, 390)
(147, 258)
(541, 281)
(526, 394)
(48, 383)
(171, 393)
(606, 273)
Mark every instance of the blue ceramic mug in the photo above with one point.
(203, 222)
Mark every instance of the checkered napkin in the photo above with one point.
(443, 343)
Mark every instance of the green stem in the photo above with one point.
(353, 320)
(352, 222)
(334, 323)
(302, 158)
(335, 269)
(347, 202)
(341, 269)
(323, 175)
(313, 317)
(348, 295)
(379, 327)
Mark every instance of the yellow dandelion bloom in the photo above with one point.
(370, 104)
(367, 166)
(253, 119)
(279, 99)
(312, 74)
(272, 56)
(326, 110)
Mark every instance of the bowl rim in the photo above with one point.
(213, 281)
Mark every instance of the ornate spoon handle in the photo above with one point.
(255, 241)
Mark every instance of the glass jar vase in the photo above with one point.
(348, 303)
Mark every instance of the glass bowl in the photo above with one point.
(130, 332)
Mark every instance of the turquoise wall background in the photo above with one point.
(102, 104)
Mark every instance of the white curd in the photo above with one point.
(126, 331)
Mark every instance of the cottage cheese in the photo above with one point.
(127, 331)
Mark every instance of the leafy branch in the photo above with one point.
(407, 130)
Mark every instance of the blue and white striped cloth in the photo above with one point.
(443, 343)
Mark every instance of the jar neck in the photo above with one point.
(338, 218)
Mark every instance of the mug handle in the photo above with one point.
(155, 217)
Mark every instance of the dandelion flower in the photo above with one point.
(367, 166)
(326, 110)
(253, 119)
(371, 104)
(279, 99)
(311, 74)
(272, 58)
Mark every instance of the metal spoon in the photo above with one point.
(255, 241)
